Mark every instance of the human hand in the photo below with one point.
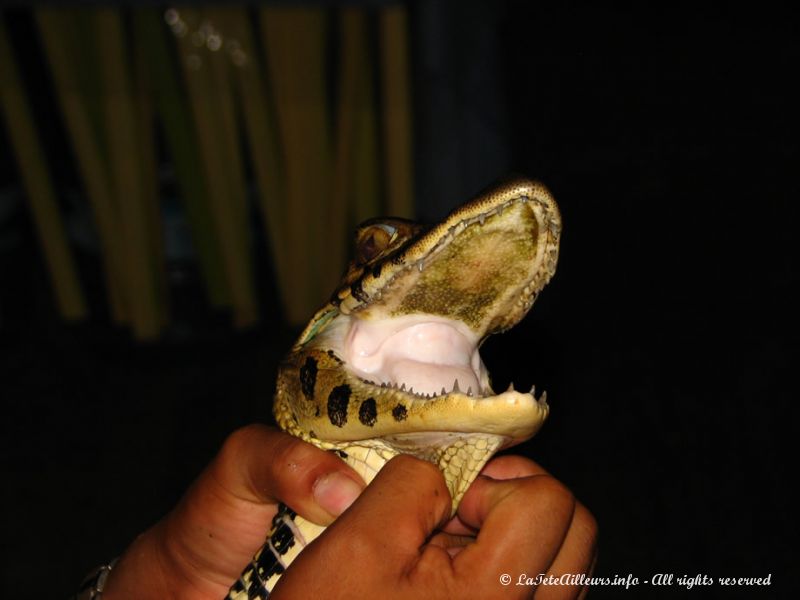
(201, 547)
(515, 519)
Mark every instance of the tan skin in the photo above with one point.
(396, 540)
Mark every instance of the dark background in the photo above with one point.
(666, 341)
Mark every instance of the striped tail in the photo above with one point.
(285, 541)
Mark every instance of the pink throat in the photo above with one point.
(428, 354)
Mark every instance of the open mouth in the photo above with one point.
(423, 355)
(417, 331)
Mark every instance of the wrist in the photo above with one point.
(140, 572)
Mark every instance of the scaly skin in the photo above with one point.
(476, 273)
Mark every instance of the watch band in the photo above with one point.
(92, 586)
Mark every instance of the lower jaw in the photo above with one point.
(460, 456)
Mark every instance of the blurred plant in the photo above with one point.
(241, 103)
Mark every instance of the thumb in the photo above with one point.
(407, 500)
(382, 535)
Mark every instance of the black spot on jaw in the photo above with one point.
(341, 453)
(376, 270)
(368, 412)
(332, 354)
(308, 377)
(338, 401)
(358, 292)
(399, 413)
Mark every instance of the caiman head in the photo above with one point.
(392, 360)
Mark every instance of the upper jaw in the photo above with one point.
(483, 265)
(484, 270)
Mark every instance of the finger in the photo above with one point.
(576, 556)
(522, 522)
(452, 543)
(500, 467)
(261, 465)
(408, 493)
(512, 467)
(224, 516)
(456, 526)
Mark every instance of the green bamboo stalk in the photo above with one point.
(397, 118)
(174, 112)
(55, 27)
(143, 100)
(222, 85)
(209, 103)
(366, 167)
(294, 41)
(128, 174)
(261, 135)
(232, 160)
(352, 28)
(36, 178)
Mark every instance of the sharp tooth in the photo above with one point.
(511, 387)
(533, 390)
(444, 392)
(482, 219)
(411, 390)
(455, 386)
(403, 387)
(383, 384)
(419, 266)
(469, 391)
(543, 398)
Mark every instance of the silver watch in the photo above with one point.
(92, 586)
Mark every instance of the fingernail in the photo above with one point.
(335, 492)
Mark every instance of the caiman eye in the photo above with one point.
(373, 240)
